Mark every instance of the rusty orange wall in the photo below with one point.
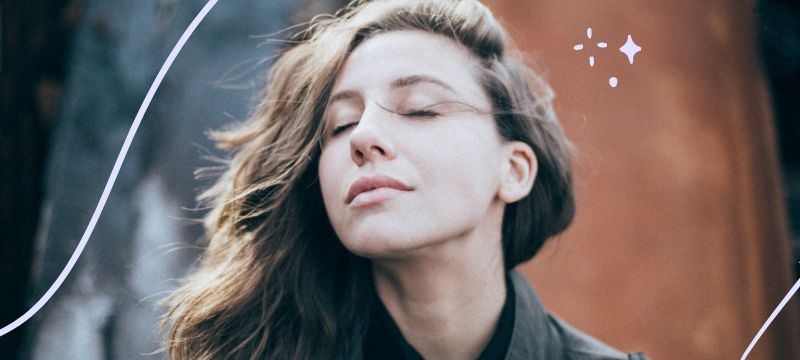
(679, 247)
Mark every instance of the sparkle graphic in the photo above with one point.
(630, 49)
(579, 47)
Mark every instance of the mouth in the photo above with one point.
(367, 190)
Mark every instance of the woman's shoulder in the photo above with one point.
(578, 345)
(540, 335)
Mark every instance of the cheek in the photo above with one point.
(469, 161)
(467, 182)
(463, 185)
(329, 174)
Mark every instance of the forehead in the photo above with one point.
(386, 57)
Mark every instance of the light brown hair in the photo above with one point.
(274, 280)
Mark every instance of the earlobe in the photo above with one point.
(519, 172)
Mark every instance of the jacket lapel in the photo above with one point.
(533, 337)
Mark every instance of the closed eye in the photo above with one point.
(341, 128)
(412, 113)
(420, 113)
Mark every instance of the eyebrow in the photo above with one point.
(415, 79)
(344, 95)
(402, 82)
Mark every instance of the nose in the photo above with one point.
(369, 140)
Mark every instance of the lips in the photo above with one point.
(368, 183)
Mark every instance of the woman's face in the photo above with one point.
(411, 157)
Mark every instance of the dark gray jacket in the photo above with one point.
(539, 335)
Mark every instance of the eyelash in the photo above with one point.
(339, 129)
(420, 113)
(413, 113)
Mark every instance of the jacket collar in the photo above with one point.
(533, 337)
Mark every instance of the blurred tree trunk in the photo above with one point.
(34, 38)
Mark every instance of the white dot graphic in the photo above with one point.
(612, 81)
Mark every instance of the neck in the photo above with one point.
(446, 303)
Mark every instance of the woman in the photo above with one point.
(397, 169)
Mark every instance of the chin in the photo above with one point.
(382, 246)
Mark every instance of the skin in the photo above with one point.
(407, 104)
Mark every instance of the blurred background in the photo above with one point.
(687, 234)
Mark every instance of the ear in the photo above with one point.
(519, 172)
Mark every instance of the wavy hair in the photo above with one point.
(274, 281)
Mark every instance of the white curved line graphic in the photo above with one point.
(114, 172)
(771, 317)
